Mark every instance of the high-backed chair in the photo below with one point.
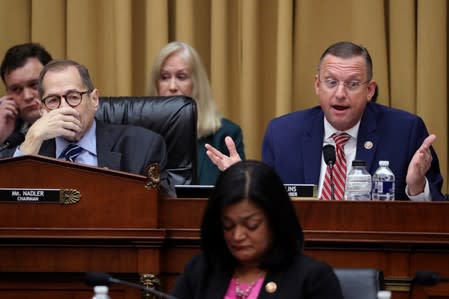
(358, 283)
(174, 118)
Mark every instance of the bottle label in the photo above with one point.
(384, 187)
(383, 190)
(358, 186)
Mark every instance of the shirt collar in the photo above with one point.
(329, 130)
(87, 142)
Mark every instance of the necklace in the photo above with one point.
(243, 294)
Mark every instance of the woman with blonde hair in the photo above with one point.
(178, 70)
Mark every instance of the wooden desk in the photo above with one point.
(45, 248)
(399, 238)
(122, 228)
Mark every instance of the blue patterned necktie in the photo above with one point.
(71, 152)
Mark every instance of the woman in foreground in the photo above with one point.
(252, 244)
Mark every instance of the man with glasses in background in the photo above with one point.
(343, 83)
(68, 130)
(21, 105)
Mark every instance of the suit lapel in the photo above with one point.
(105, 142)
(48, 148)
(217, 285)
(311, 147)
(368, 138)
(201, 157)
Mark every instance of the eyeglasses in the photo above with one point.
(351, 86)
(73, 99)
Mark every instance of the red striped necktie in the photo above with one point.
(338, 170)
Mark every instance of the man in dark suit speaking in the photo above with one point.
(345, 87)
(68, 130)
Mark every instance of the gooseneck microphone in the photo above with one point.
(330, 158)
(101, 278)
(428, 278)
(13, 140)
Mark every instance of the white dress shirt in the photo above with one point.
(350, 151)
(89, 144)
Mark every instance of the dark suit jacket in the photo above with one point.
(305, 278)
(293, 145)
(20, 127)
(208, 171)
(125, 148)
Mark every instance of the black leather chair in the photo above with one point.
(174, 118)
(360, 283)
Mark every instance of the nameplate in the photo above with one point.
(298, 191)
(21, 195)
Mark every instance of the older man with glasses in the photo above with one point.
(361, 129)
(68, 130)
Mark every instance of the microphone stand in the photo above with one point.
(102, 278)
(331, 168)
(428, 278)
(138, 286)
(13, 140)
(329, 159)
(4, 146)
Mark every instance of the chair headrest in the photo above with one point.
(174, 118)
(360, 282)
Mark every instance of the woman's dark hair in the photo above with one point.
(258, 183)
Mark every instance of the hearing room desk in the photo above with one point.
(398, 237)
(121, 227)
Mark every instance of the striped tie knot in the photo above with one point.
(71, 152)
(340, 139)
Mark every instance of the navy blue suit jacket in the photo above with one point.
(293, 145)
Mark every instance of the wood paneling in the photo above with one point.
(121, 227)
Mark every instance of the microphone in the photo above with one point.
(101, 278)
(428, 278)
(330, 158)
(13, 140)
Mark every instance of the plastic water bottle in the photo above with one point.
(383, 182)
(101, 292)
(358, 182)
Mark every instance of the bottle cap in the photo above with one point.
(384, 294)
(358, 163)
(101, 289)
(384, 163)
